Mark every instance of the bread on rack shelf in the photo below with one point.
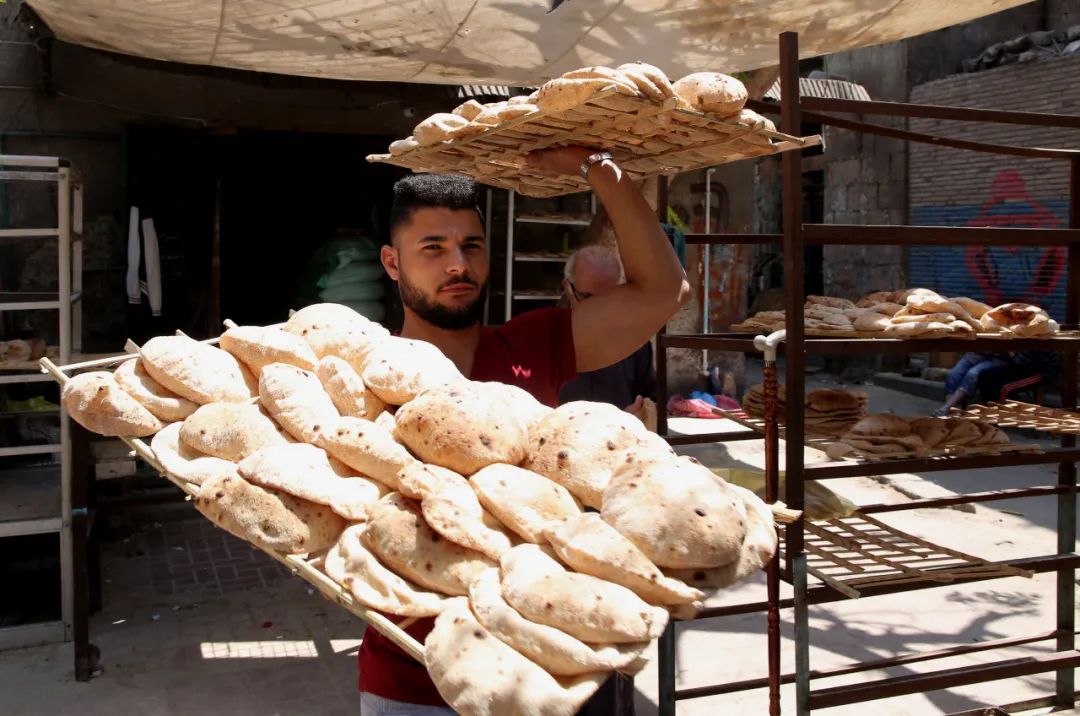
(886, 435)
(472, 491)
(828, 411)
(910, 313)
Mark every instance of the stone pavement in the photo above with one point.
(196, 621)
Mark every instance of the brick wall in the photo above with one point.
(955, 188)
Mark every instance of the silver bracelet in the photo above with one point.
(594, 158)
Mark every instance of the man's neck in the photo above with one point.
(458, 346)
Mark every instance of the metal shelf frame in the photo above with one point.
(66, 300)
(512, 219)
(796, 236)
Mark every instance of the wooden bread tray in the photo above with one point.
(1015, 414)
(820, 441)
(308, 569)
(646, 138)
(859, 551)
(821, 333)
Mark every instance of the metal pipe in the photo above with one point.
(1066, 520)
(509, 297)
(706, 320)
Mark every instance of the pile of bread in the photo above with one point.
(912, 313)
(21, 351)
(829, 412)
(882, 434)
(713, 93)
(428, 494)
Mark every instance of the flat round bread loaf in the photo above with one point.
(417, 480)
(399, 369)
(830, 400)
(976, 308)
(258, 346)
(335, 330)
(306, 471)
(459, 649)
(758, 548)
(401, 146)
(464, 426)
(454, 511)
(197, 371)
(883, 425)
(270, 520)
(230, 431)
(183, 461)
(581, 444)
(712, 92)
(295, 398)
(585, 607)
(528, 503)
(932, 431)
(871, 322)
(163, 403)
(352, 566)
(367, 448)
(436, 128)
(344, 386)
(558, 652)
(561, 94)
(592, 546)
(398, 535)
(700, 525)
(468, 109)
(97, 402)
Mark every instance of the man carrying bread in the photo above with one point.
(439, 258)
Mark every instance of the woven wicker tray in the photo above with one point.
(671, 141)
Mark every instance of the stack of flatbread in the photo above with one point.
(883, 435)
(430, 495)
(830, 412)
(713, 93)
(910, 313)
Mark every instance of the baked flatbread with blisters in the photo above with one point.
(96, 401)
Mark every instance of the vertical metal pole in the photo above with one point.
(666, 656)
(509, 256)
(706, 318)
(67, 572)
(791, 178)
(1066, 521)
(76, 266)
(660, 354)
(772, 569)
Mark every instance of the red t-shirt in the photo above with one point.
(534, 351)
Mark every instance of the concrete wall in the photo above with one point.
(953, 187)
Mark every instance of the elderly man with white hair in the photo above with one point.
(593, 271)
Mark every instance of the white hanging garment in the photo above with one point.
(153, 266)
(132, 278)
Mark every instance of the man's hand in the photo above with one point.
(559, 160)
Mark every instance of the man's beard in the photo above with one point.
(445, 317)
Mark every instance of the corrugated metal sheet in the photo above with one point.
(994, 274)
(829, 89)
(513, 42)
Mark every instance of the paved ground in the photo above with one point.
(198, 622)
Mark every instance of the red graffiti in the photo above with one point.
(1011, 204)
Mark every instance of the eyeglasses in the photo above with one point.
(578, 295)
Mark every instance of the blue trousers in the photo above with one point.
(965, 374)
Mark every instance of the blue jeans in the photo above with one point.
(372, 705)
(965, 374)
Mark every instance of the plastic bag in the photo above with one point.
(821, 502)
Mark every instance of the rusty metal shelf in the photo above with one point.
(744, 343)
(896, 235)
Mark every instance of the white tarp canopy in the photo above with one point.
(515, 42)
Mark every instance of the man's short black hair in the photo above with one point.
(434, 191)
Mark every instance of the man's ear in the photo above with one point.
(389, 257)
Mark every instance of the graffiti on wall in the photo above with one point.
(996, 274)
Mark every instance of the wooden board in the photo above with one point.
(646, 138)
